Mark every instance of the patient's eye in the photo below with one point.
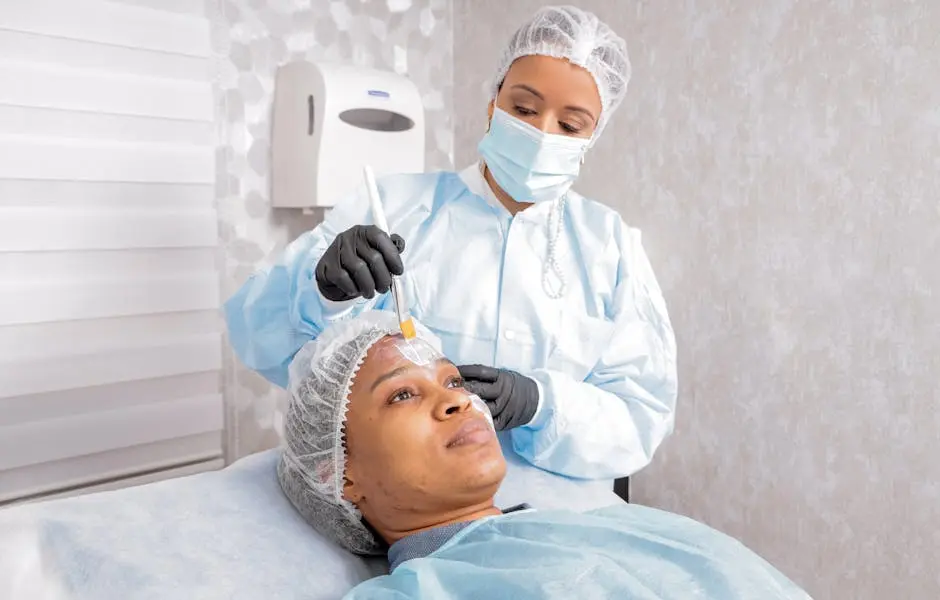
(405, 394)
(401, 396)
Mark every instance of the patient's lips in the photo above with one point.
(472, 432)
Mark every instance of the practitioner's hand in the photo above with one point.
(360, 262)
(511, 397)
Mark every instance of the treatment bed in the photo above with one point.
(226, 534)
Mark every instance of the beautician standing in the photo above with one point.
(545, 298)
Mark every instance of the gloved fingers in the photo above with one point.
(399, 243)
(378, 270)
(479, 373)
(339, 279)
(357, 269)
(379, 240)
(500, 421)
(504, 415)
(472, 387)
(362, 277)
(524, 392)
(487, 391)
(332, 280)
(494, 408)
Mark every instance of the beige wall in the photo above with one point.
(783, 160)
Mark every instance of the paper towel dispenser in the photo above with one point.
(330, 120)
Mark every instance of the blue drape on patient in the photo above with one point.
(623, 551)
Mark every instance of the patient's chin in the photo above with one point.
(485, 472)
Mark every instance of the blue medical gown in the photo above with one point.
(623, 551)
(603, 355)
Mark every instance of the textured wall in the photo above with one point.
(783, 159)
(253, 37)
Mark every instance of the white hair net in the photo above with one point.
(580, 37)
(313, 462)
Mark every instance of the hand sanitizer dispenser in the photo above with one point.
(332, 120)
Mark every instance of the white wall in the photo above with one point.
(410, 37)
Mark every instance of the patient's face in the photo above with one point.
(415, 445)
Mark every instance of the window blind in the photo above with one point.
(110, 344)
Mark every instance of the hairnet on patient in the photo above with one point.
(581, 38)
(312, 466)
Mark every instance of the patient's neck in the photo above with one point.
(424, 522)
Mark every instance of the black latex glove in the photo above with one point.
(360, 262)
(511, 397)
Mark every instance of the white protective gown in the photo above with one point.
(603, 354)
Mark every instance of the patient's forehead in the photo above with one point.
(384, 353)
(394, 351)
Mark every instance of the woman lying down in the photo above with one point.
(386, 452)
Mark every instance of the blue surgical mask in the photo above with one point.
(531, 165)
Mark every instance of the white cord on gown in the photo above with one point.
(556, 218)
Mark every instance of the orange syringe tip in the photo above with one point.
(408, 329)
